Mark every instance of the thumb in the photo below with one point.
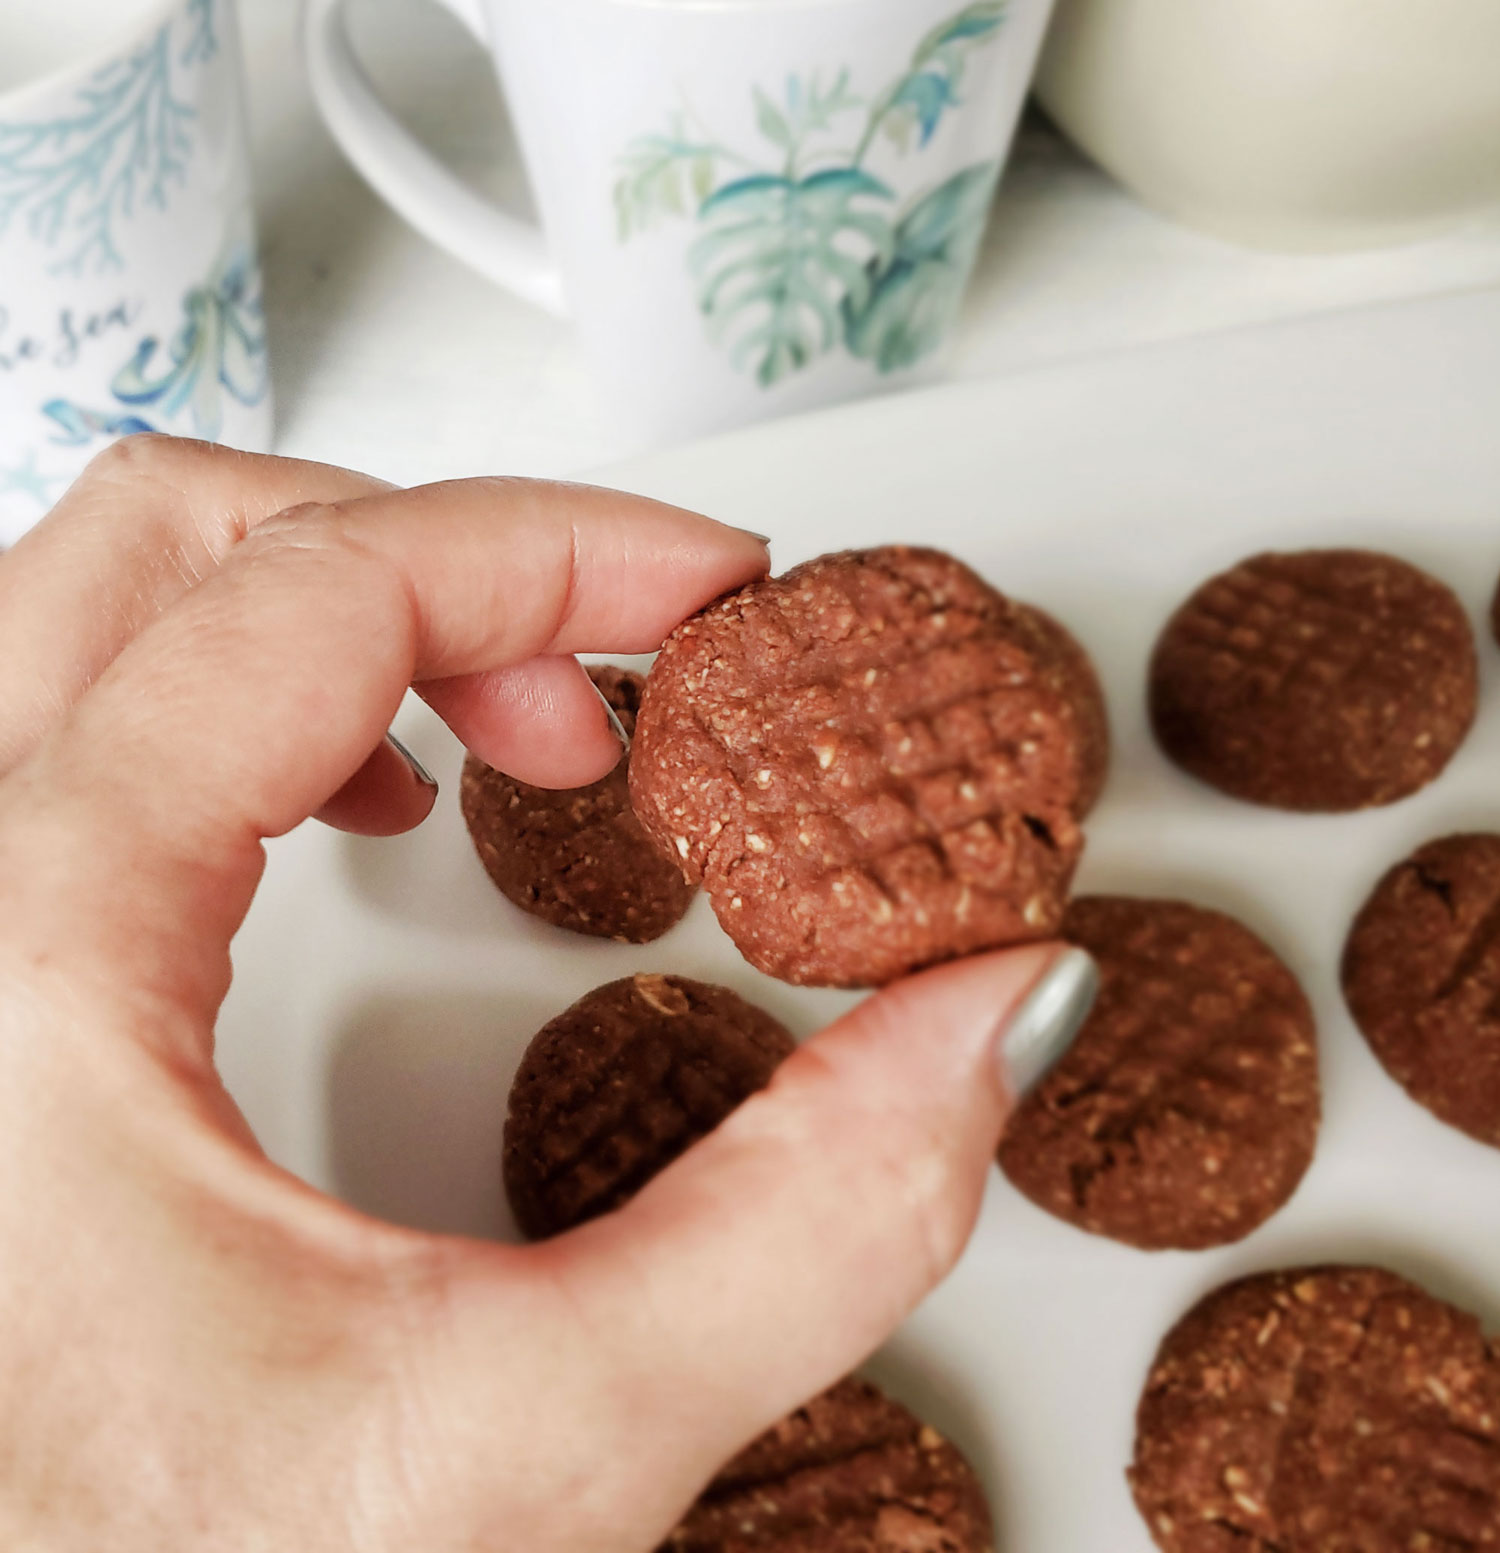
(774, 1256)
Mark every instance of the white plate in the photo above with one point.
(385, 991)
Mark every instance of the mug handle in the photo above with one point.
(509, 252)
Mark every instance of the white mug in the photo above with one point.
(748, 206)
(129, 292)
(1290, 124)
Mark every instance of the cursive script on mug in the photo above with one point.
(60, 343)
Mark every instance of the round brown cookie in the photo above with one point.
(1321, 1410)
(617, 1086)
(1186, 1111)
(1321, 680)
(851, 1472)
(1421, 975)
(873, 762)
(1059, 651)
(577, 857)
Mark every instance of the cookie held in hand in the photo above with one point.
(1319, 680)
(873, 763)
(576, 857)
(614, 1088)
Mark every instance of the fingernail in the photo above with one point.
(1044, 1026)
(765, 539)
(616, 727)
(419, 771)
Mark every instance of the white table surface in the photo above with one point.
(388, 356)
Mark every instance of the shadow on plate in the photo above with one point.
(416, 1096)
(431, 876)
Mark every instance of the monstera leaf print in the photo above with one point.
(917, 100)
(806, 254)
(780, 257)
(910, 298)
(659, 176)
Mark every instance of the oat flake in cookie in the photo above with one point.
(873, 763)
(1321, 1410)
(1421, 975)
(850, 1472)
(617, 1086)
(1186, 1111)
(577, 857)
(1321, 680)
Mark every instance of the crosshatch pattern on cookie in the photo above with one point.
(1321, 1408)
(1269, 622)
(1187, 1110)
(1421, 973)
(1320, 680)
(620, 1084)
(851, 1469)
(867, 750)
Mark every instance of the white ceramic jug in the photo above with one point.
(1292, 124)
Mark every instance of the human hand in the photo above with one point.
(199, 650)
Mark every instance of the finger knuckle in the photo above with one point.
(147, 456)
(318, 548)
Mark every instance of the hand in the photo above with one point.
(199, 650)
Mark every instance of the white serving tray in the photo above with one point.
(384, 991)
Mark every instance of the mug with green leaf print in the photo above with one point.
(748, 206)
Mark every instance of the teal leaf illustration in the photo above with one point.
(773, 124)
(659, 175)
(913, 296)
(927, 94)
(917, 100)
(980, 20)
(782, 256)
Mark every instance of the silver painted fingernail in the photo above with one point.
(616, 727)
(765, 539)
(419, 771)
(1045, 1025)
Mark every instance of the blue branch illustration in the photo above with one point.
(203, 41)
(74, 178)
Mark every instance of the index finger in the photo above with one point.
(252, 700)
(147, 521)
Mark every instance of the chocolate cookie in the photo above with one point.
(851, 1472)
(617, 1086)
(576, 858)
(1421, 975)
(873, 763)
(1060, 654)
(1322, 680)
(1187, 1109)
(1321, 1410)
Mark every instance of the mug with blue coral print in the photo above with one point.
(749, 206)
(129, 292)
